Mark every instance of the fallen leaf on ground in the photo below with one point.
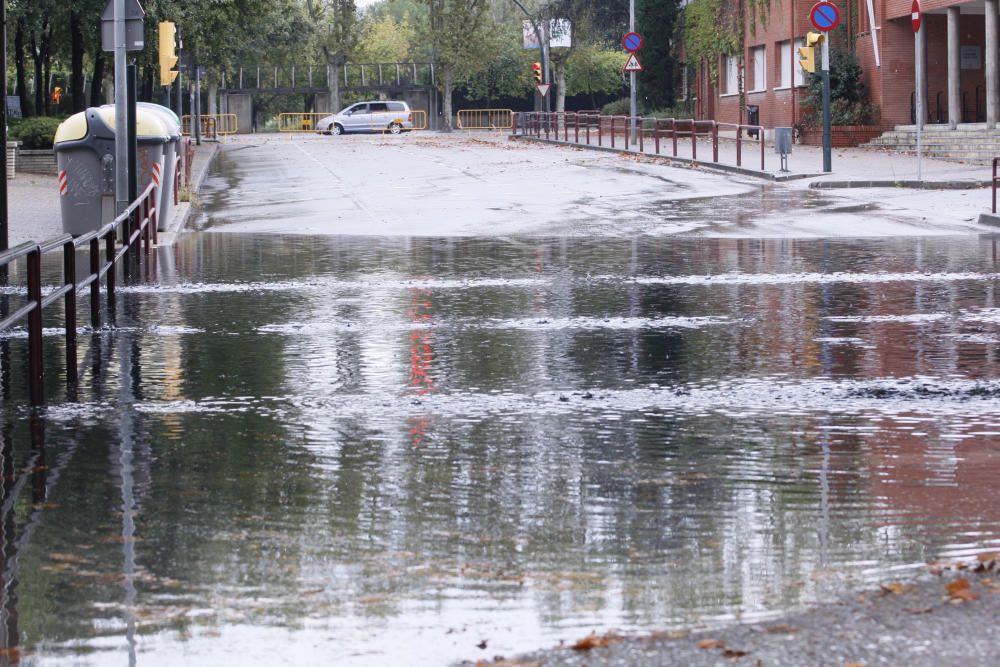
(986, 562)
(711, 643)
(960, 590)
(481, 644)
(733, 653)
(595, 641)
(894, 587)
(782, 629)
(919, 610)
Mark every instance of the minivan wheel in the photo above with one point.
(395, 128)
(338, 129)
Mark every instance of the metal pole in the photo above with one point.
(827, 149)
(4, 238)
(196, 112)
(920, 62)
(631, 76)
(121, 92)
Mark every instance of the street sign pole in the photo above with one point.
(920, 64)
(827, 141)
(631, 78)
(121, 104)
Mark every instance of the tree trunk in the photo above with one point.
(446, 94)
(213, 98)
(36, 58)
(27, 109)
(560, 86)
(76, 85)
(333, 65)
(148, 82)
(97, 84)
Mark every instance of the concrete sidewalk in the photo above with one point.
(33, 203)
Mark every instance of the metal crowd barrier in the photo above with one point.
(299, 122)
(587, 124)
(485, 119)
(136, 224)
(212, 124)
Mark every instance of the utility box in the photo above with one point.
(783, 140)
(753, 118)
(783, 145)
(135, 39)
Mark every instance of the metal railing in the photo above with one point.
(586, 127)
(135, 224)
(317, 77)
(485, 119)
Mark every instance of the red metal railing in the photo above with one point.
(136, 224)
(674, 130)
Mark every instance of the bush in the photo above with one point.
(620, 107)
(849, 103)
(36, 133)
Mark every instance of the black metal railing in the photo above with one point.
(135, 225)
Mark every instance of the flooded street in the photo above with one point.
(419, 448)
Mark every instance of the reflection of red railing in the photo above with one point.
(134, 227)
(586, 123)
(188, 161)
(421, 359)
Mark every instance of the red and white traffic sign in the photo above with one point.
(543, 88)
(825, 16)
(916, 16)
(633, 64)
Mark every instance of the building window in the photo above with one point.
(731, 65)
(758, 66)
(785, 60)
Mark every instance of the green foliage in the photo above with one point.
(595, 70)
(385, 39)
(713, 28)
(506, 75)
(620, 107)
(656, 20)
(36, 133)
(849, 103)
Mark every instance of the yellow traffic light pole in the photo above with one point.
(807, 59)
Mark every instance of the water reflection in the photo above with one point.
(390, 450)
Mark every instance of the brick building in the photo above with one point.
(960, 43)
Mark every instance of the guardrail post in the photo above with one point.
(109, 249)
(612, 131)
(715, 142)
(656, 135)
(69, 305)
(95, 285)
(760, 133)
(600, 130)
(642, 130)
(739, 145)
(35, 379)
(694, 140)
(673, 133)
(995, 161)
(576, 127)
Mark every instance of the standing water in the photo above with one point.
(411, 451)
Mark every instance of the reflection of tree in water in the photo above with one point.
(421, 357)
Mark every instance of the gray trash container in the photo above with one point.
(171, 154)
(85, 155)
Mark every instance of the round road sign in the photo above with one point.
(824, 16)
(632, 42)
(916, 17)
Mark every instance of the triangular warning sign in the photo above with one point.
(543, 89)
(633, 65)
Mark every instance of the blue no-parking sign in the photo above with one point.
(825, 16)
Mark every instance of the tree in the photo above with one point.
(336, 24)
(462, 44)
(385, 39)
(656, 21)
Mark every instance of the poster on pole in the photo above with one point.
(560, 34)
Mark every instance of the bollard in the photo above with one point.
(35, 378)
(69, 305)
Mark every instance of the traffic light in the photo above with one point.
(536, 71)
(168, 52)
(807, 53)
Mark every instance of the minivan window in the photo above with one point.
(378, 106)
(357, 108)
(396, 106)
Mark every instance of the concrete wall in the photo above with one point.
(242, 105)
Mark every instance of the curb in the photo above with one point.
(990, 219)
(912, 185)
(680, 161)
(169, 236)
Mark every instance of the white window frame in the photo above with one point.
(787, 53)
(731, 70)
(758, 55)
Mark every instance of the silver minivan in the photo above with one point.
(374, 116)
